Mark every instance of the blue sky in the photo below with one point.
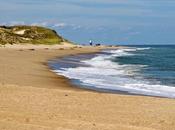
(103, 21)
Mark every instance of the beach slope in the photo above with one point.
(34, 98)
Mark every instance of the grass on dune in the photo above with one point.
(32, 34)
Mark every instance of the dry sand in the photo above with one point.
(34, 98)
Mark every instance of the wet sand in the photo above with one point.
(34, 98)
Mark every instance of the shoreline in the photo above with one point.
(75, 83)
(33, 97)
(54, 52)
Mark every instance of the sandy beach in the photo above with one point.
(34, 98)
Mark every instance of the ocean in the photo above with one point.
(141, 70)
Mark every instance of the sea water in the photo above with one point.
(143, 70)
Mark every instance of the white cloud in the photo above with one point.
(52, 24)
(13, 23)
(60, 25)
(40, 24)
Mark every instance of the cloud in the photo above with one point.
(13, 23)
(40, 24)
(51, 24)
(59, 25)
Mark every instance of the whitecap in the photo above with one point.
(102, 73)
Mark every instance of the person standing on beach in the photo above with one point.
(90, 43)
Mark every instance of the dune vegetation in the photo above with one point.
(29, 34)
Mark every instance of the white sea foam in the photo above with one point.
(102, 73)
(146, 48)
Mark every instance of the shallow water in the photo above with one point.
(145, 70)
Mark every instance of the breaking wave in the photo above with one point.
(102, 72)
